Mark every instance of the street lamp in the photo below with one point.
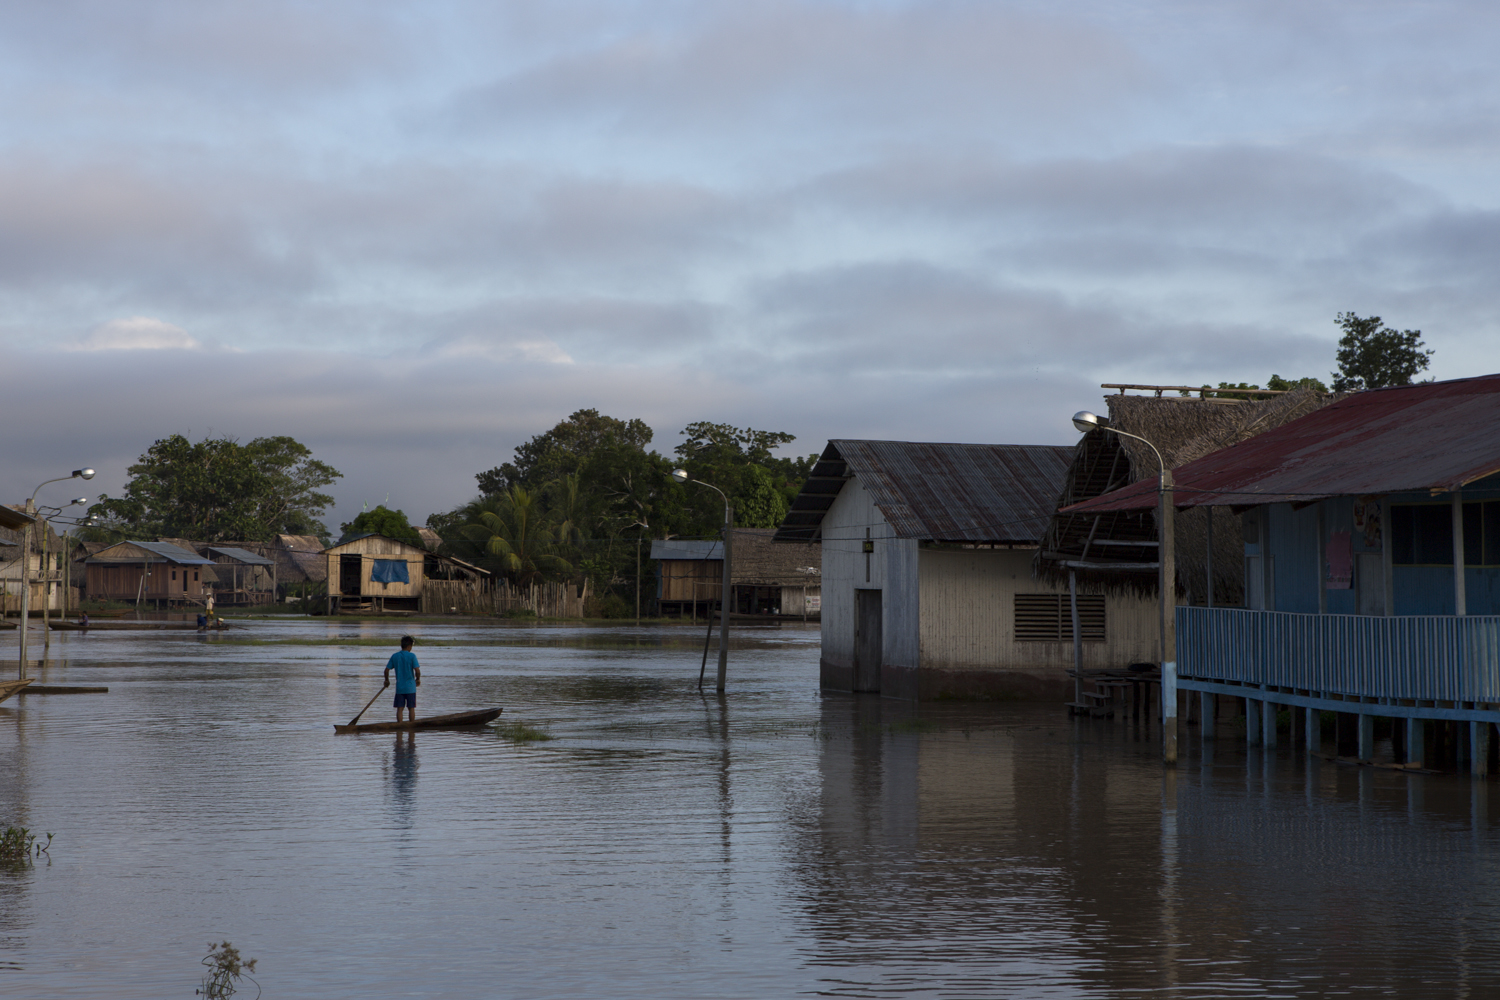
(681, 475)
(1167, 583)
(47, 571)
(26, 558)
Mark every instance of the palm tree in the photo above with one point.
(514, 529)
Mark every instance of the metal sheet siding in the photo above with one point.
(1430, 658)
(968, 618)
(893, 570)
(1433, 436)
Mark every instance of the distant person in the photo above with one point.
(203, 621)
(408, 678)
(84, 621)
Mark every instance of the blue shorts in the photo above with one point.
(406, 699)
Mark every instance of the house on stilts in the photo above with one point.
(1370, 547)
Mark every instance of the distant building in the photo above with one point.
(765, 578)
(375, 573)
(159, 573)
(927, 588)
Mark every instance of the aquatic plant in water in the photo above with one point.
(19, 844)
(520, 732)
(225, 970)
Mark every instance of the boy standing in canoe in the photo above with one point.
(408, 678)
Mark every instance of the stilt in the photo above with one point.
(1479, 749)
(1366, 736)
(1416, 741)
(1206, 714)
(1252, 722)
(1312, 726)
(1268, 724)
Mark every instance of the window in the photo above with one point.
(1049, 617)
(1422, 534)
(195, 576)
(174, 574)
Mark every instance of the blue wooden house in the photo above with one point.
(1372, 567)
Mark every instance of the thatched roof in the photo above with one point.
(758, 561)
(1184, 430)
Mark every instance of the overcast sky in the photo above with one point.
(412, 235)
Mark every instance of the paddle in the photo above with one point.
(368, 704)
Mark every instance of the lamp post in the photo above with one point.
(681, 475)
(1167, 583)
(26, 558)
(47, 573)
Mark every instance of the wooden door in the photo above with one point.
(868, 644)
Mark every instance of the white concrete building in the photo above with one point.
(927, 574)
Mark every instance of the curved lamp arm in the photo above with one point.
(681, 475)
(77, 474)
(1086, 421)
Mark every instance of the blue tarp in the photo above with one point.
(390, 571)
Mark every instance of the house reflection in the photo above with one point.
(1012, 846)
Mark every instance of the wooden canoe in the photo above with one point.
(11, 687)
(454, 720)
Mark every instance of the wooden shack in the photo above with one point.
(158, 572)
(372, 573)
(245, 577)
(765, 579)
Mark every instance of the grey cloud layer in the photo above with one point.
(832, 218)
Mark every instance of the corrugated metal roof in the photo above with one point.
(674, 549)
(168, 551)
(1435, 436)
(983, 493)
(241, 555)
(14, 519)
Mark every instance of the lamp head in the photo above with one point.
(681, 475)
(83, 473)
(80, 500)
(1086, 421)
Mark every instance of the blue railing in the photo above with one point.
(1427, 657)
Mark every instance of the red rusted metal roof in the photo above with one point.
(976, 493)
(1434, 436)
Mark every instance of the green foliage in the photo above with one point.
(582, 501)
(18, 844)
(225, 970)
(383, 521)
(219, 490)
(519, 534)
(608, 606)
(520, 732)
(564, 450)
(1287, 385)
(1372, 356)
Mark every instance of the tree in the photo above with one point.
(564, 450)
(385, 522)
(1287, 385)
(1372, 356)
(514, 530)
(739, 462)
(218, 490)
(291, 502)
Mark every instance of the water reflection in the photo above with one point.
(676, 844)
(401, 774)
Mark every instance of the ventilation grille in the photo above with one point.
(1049, 617)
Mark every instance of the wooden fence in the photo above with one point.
(547, 600)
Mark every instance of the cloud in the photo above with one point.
(137, 333)
(539, 351)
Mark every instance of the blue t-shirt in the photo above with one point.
(404, 662)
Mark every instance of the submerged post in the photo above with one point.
(1460, 597)
(725, 600)
(1168, 569)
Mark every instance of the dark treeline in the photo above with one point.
(584, 499)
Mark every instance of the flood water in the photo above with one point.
(775, 843)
